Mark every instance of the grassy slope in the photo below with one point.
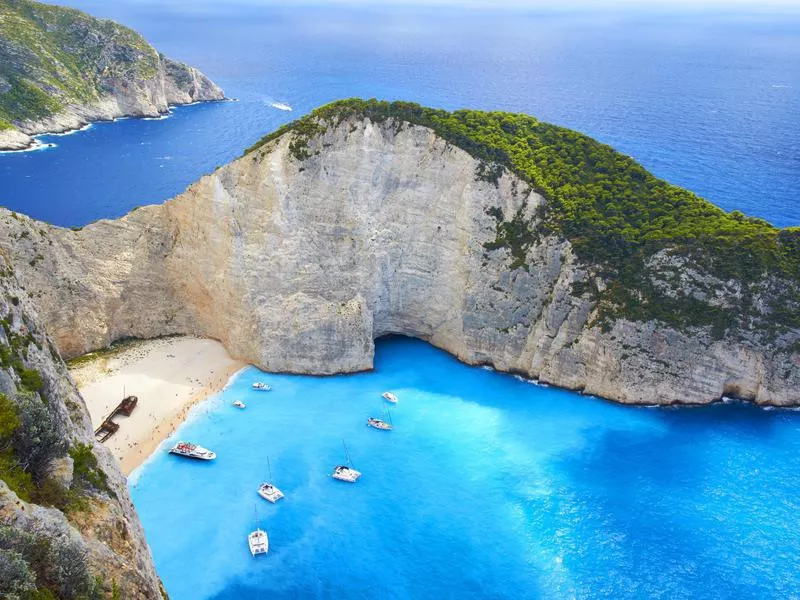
(52, 56)
(614, 212)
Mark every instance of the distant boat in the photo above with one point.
(239, 404)
(261, 386)
(268, 491)
(380, 423)
(280, 106)
(192, 451)
(346, 472)
(390, 397)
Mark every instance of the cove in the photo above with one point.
(489, 486)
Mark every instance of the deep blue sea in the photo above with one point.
(707, 100)
(488, 487)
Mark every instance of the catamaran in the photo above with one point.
(239, 404)
(258, 542)
(390, 397)
(346, 472)
(192, 451)
(268, 491)
(260, 385)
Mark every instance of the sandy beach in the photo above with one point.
(168, 375)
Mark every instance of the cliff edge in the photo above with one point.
(67, 526)
(61, 69)
(473, 231)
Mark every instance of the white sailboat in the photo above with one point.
(346, 472)
(239, 404)
(383, 425)
(389, 397)
(261, 386)
(268, 491)
(258, 540)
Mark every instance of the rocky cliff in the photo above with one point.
(61, 69)
(67, 525)
(302, 252)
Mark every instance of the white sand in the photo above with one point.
(168, 375)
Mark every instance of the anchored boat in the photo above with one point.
(192, 451)
(261, 386)
(390, 397)
(258, 542)
(239, 404)
(346, 472)
(379, 424)
(268, 491)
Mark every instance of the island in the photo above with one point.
(61, 69)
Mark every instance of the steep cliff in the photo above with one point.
(61, 68)
(67, 525)
(349, 225)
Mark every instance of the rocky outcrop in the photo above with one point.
(62, 69)
(67, 524)
(297, 263)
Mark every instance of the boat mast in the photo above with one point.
(347, 454)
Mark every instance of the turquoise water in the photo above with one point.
(489, 487)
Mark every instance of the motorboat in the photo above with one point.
(258, 542)
(261, 386)
(192, 451)
(269, 492)
(390, 397)
(346, 473)
(379, 424)
(239, 404)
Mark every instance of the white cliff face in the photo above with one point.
(298, 265)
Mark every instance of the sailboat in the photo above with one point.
(346, 472)
(258, 540)
(389, 397)
(268, 491)
(380, 423)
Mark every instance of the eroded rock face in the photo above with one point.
(80, 530)
(299, 264)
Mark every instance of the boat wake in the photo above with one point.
(280, 106)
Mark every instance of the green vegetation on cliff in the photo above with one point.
(52, 56)
(619, 218)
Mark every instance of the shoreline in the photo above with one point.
(170, 376)
(35, 144)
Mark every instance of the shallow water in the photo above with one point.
(488, 487)
(708, 101)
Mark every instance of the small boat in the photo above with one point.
(260, 385)
(379, 424)
(239, 404)
(258, 542)
(346, 472)
(192, 451)
(268, 491)
(390, 397)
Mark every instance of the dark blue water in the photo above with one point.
(708, 101)
(488, 487)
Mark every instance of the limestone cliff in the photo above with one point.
(61, 69)
(299, 254)
(67, 525)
